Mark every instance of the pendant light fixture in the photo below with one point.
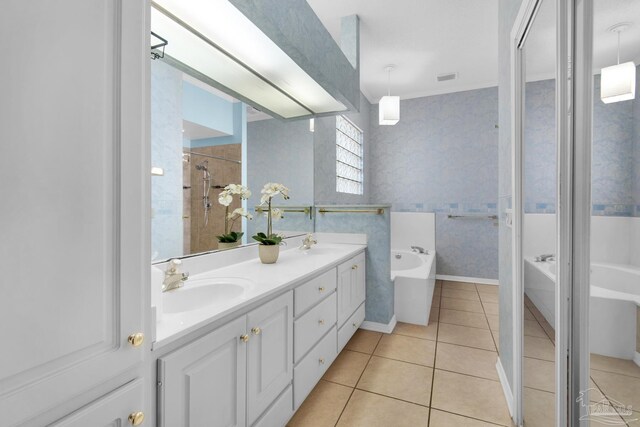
(389, 106)
(618, 82)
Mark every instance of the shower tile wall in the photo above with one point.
(443, 157)
(203, 238)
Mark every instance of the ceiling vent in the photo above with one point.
(447, 76)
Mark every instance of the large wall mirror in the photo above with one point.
(204, 140)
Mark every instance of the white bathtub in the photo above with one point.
(614, 302)
(414, 279)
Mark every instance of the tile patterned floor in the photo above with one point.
(433, 376)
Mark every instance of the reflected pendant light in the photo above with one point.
(618, 82)
(389, 106)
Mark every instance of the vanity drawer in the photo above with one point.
(308, 329)
(308, 372)
(280, 412)
(350, 327)
(307, 295)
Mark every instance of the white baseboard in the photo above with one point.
(636, 358)
(387, 328)
(467, 279)
(506, 389)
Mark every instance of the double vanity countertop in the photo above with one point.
(234, 287)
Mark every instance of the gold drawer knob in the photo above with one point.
(321, 322)
(136, 340)
(354, 267)
(321, 360)
(321, 288)
(256, 330)
(354, 325)
(244, 338)
(136, 418)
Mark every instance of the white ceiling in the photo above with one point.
(422, 38)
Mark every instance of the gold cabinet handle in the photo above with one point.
(244, 337)
(354, 325)
(321, 322)
(354, 267)
(321, 288)
(321, 360)
(136, 340)
(136, 418)
(256, 330)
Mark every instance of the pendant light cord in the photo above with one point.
(389, 72)
(618, 47)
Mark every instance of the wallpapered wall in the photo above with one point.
(615, 165)
(166, 152)
(443, 157)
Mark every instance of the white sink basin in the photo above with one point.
(197, 294)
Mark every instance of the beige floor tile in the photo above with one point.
(494, 322)
(447, 284)
(364, 341)
(408, 349)
(539, 374)
(528, 315)
(437, 291)
(464, 335)
(487, 289)
(490, 298)
(436, 302)
(491, 308)
(548, 330)
(539, 348)
(405, 381)
(461, 304)
(347, 368)
(434, 314)
(428, 332)
(496, 339)
(446, 419)
(463, 318)
(539, 408)
(461, 294)
(322, 407)
(371, 410)
(633, 419)
(466, 360)
(533, 329)
(621, 388)
(612, 364)
(470, 396)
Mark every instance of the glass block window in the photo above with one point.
(349, 157)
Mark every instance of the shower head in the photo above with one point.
(203, 166)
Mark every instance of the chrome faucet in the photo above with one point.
(546, 257)
(173, 278)
(418, 249)
(308, 242)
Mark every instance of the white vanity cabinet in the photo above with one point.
(230, 376)
(351, 287)
(73, 229)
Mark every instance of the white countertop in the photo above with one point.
(292, 268)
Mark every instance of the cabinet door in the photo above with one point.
(358, 282)
(270, 357)
(74, 174)
(345, 279)
(113, 410)
(203, 383)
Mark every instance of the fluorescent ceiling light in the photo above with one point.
(618, 83)
(389, 106)
(215, 39)
(312, 125)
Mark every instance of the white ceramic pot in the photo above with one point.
(268, 253)
(228, 245)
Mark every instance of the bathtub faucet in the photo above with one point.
(546, 257)
(418, 249)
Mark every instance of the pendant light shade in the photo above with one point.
(618, 82)
(389, 106)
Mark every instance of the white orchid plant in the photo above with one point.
(268, 192)
(225, 198)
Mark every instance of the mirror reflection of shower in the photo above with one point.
(206, 187)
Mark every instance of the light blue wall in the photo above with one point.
(380, 298)
(636, 145)
(204, 108)
(166, 152)
(507, 12)
(279, 151)
(614, 169)
(443, 157)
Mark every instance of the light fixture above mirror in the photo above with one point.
(618, 82)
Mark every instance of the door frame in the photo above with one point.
(564, 212)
